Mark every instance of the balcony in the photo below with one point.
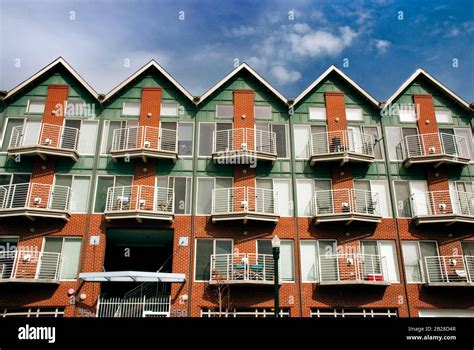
(353, 269)
(342, 146)
(242, 269)
(436, 149)
(346, 205)
(243, 146)
(30, 266)
(140, 202)
(449, 271)
(244, 203)
(144, 142)
(44, 140)
(35, 200)
(446, 207)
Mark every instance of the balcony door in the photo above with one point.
(328, 260)
(420, 198)
(8, 246)
(69, 137)
(264, 200)
(448, 141)
(31, 133)
(16, 190)
(462, 197)
(355, 141)
(48, 265)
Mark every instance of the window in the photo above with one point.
(8, 130)
(285, 199)
(317, 113)
(169, 110)
(387, 250)
(243, 312)
(204, 192)
(35, 106)
(70, 248)
(185, 139)
(413, 253)
(377, 141)
(103, 183)
(302, 137)
(443, 116)
(206, 136)
(204, 249)
(354, 114)
(309, 261)
(182, 192)
(79, 186)
(88, 130)
(366, 313)
(109, 129)
(287, 271)
(467, 248)
(305, 189)
(131, 108)
(280, 131)
(467, 133)
(407, 114)
(396, 141)
(225, 111)
(263, 112)
(402, 197)
(380, 194)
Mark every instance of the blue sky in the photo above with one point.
(288, 42)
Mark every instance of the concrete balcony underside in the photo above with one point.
(347, 218)
(43, 152)
(32, 213)
(342, 157)
(245, 217)
(446, 219)
(138, 215)
(355, 283)
(242, 157)
(144, 154)
(436, 160)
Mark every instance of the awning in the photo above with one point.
(132, 276)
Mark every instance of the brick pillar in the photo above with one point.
(427, 124)
(337, 126)
(244, 176)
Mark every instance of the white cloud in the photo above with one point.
(301, 28)
(453, 33)
(258, 64)
(242, 31)
(382, 45)
(285, 76)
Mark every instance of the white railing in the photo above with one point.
(144, 137)
(35, 196)
(449, 269)
(346, 201)
(244, 140)
(30, 265)
(436, 144)
(140, 197)
(352, 267)
(438, 203)
(242, 267)
(244, 200)
(342, 141)
(44, 135)
(157, 306)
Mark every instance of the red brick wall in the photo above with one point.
(424, 105)
(150, 103)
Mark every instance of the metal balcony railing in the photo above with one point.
(144, 137)
(244, 200)
(140, 198)
(358, 268)
(449, 269)
(343, 141)
(244, 140)
(44, 135)
(242, 267)
(441, 144)
(145, 306)
(346, 201)
(442, 203)
(28, 265)
(35, 196)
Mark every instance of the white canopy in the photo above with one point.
(132, 276)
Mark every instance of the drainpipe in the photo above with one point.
(295, 217)
(394, 208)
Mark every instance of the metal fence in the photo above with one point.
(145, 137)
(242, 267)
(449, 269)
(341, 142)
(438, 203)
(35, 196)
(30, 264)
(352, 267)
(158, 306)
(344, 201)
(46, 135)
(140, 197)
(244, 199)
(436, 144)
(244, 140)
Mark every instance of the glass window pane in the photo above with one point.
(443, 116)
(21, 178)
(402, 193)
(305, 192)
(302, 135)
(112, 126)
(377, 145)
(169, 109)
(204, 195)
(180, 195)
(467, 133)
(317, 113)
(36, 106)
(225, 111)
(206, 131)
(223, 182)
(394, 143)
(407, 114)
(388, 251)
(71, 252)
(264, 246)
(223, 246)
(354, 114)
(369, 247)
(123, 181)
(309, 263)
(286, 261)
(53, 244)
(411, 261)
(468, 248)
(169, 125)
(80, 193)
(12, 122)
(5, 179)
(285, 202)
(428, 249)
(88, 137)
(185, 139)
(280, 136)
(131, 108)
(263, 112)
(204, 250)
(103, 183)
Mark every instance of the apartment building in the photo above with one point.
(148, 201)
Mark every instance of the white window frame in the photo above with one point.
(186, 199)
(62, 247)
(316, 242)
(212, 141)
(293, 255)
(72, 180)
(379, 241)
(318, 109)
(213, 252)
(177, 134)
(353, 109)
(469, 141)
(308, 146)
(214, 186)
(419, 256)
(169, 104)
(266, 106)
(131, 115)
(78, 140)
(95, 188)
(27, 110)
(387, 194)
(287, 136)
(217, 116)
(410, 121)
(105, 132)
(297, 214)
(449, 114)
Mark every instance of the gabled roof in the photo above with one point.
(236, 71)
(58, 61)
(154, 64)
(437, 83)
(343, 76)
